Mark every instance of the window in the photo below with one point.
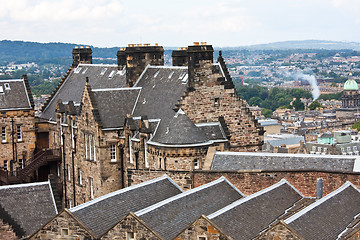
(1, 89)
(86, 146)
(7, 86)
(113, 153)
(90, 151)
(68, 172)
(355, 148)
(21, 163)
(3, 134)
(79, 176)
(6, 165)
(64, 232)
(216, 101)
(130, 236)
(196, 163)
(91, 188)
(94, 148)
(18, 133)
(202, 238)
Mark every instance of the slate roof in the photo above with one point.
(162, 87)
(328, 217)
(113, 104)
(73, 86)
(179, 130)
(241, 161)
(247, 217)
(30, 205)
(16, 97)
(213, 131)
(104, 212)
(169, 217)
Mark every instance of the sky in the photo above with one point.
(110, 23)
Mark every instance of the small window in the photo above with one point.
(91, 188)
(202, 238)
(79, 176)
(21, 163)
(103, 71)
(196, 164)
(130, 236)
(64, 232)
(3, 134)
(7, 86)
(18, 133)
(1, 89)
(348, 149)
(355, 148)
(113, 153)
(68, 172)
(216, 101)
(6, 165)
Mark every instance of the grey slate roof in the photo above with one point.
(29, 205)
(247, 217)
(16, 97)
(171, 216)
(328, 217)
(179, 130)
(73, 86)
(213, 131)
(162, 87)
(104, 212)
(114, 104)
(239, 161)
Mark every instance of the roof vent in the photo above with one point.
(7, 86)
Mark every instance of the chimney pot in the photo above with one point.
(196, 43)
(156, 44)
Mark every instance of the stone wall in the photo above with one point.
(6, 231)
(251, 182)
(278, 232)
(24, 148)
(130, 225)
(63, 226)
(202, 228)
(210, 100)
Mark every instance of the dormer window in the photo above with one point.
(7, 86)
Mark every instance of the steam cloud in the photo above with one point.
(313, 83)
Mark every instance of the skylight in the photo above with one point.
(77, 70)
(103, 71)
(85, 70)
(112, 74)
(156, 74)
(171, 74)
(1, 89)
(7, 86)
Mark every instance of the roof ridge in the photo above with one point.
(123, 190)
(250, 197)
(319, 202)
(178, 196)
(24, 185)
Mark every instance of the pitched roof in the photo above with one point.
(30, 205)
(247, 217)
(179, 130)
(328, 217)
(162, 87)
(113, 104)
(14, 95)
(100, 76)
(239, 161)
(171, 216)
(104, 212)
(213, 131)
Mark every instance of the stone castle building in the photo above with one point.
(141, 115)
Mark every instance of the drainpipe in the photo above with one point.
(319, 188)
(64, 168)
(73, 168)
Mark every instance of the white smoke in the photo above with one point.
(312, 81)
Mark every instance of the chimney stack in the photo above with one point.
(319, 188)
(81, 55)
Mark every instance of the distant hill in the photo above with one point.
(34, 51)
(305, 44)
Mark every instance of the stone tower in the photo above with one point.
(136, 57)
(81, 55)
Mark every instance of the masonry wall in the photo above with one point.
(6, 231)
(252, 182)
(279, 232)
(210, 100)
(130, 225)
(58, 226)
(24, 148)
(202, 228)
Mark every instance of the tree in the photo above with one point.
(298, 105)
(356, 125)
(314, 105)
(267, 113)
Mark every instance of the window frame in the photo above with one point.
(19, 137)
(113, 153)
(3, 134)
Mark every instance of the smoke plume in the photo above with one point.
(312, 81)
